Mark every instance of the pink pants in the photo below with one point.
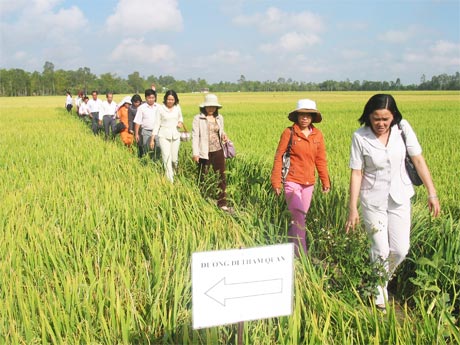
(298, 199)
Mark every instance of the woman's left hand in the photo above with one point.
(326, 189)
(180, 125)
(224, 137)
(433, 206)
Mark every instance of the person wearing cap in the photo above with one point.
(122, 114)
(307, 153)
(208, 134)
(380, 180)
(169, 119)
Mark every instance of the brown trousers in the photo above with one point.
(217, 161)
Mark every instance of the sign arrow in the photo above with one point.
(222, 291)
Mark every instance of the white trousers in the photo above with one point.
(388, 228)
(170, 155)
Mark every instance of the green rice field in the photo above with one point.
(96, 245)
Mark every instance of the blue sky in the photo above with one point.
(307, 40)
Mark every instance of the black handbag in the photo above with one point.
(119, 127)
(410, 167)
(286, 159)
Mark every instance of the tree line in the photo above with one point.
(17, 82)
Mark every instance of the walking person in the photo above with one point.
(78, 102)
(145, 121)
(109, 109)
(307, 153)
(208, 134)
(95, 107)
(83, 109)
(380, 180)
(126, 136)
(136, 101)
(68, 102)
(169, 119)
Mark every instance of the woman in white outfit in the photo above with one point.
(169, 119)
(379, 177)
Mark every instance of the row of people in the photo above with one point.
(156, 130)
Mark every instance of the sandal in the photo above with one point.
(227, 209)
(381, 308)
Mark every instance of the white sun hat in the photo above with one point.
(210, 100)
(125, 99)
(306, 106)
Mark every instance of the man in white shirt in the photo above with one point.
(145, 121)
(109, 108)
(95, 107)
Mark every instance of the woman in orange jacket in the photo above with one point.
(126, 136)
(307, 152)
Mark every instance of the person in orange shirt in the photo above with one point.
(307, 152)
(126, 137)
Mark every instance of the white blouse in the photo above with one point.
(167, 121)
(384, 170)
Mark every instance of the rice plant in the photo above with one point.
(95, 247)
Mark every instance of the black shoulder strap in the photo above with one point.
(288, 149)
(403, 135)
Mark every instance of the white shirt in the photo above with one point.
(78, 101)
(109, 108)
(146, 115)
(384, 170)
(95, 106)
(68, 100)
(83, 109)
(167, 121)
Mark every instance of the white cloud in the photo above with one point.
(445, 47)
(37, 31)
(291, 42)
(397, 37)
(228, 57)
(8, 7)
(134, 17)
(441, 54)
(352, 54)
(274, 20)
(135, 50)
(39, 23)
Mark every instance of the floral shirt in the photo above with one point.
(214, 141)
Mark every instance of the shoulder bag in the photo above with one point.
(410, 167)
(229, 149)
(185, 135)
(286, 159)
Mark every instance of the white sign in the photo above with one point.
(236, 285)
